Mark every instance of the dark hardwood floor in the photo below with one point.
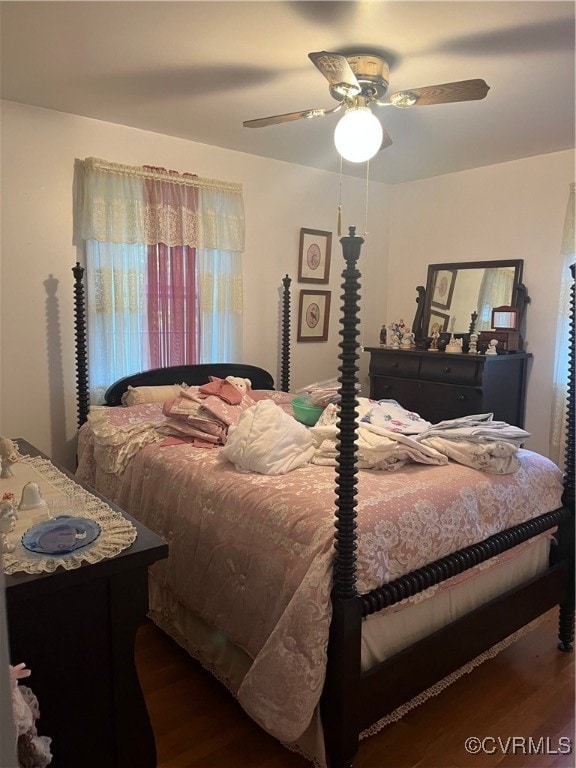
(526, 691)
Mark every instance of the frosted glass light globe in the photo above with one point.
(358, 135)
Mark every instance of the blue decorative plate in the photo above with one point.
(61, 535)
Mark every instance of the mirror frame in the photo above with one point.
(518, 299)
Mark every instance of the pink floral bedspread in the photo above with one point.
(252, 554)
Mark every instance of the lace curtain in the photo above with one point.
(560, 383)
(164, 270)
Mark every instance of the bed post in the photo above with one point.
(339, 703)
(82, 397)
(566, 538)
(285, 359)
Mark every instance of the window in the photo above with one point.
(163, 269)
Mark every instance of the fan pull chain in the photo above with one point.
(365, 251)
(340, 201)
(366, 201)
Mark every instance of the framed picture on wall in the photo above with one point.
(314, 257)
(443, 288)
(313, 315)
(438, 319)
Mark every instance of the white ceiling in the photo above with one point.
(197, 69)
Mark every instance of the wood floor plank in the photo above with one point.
(527, 691)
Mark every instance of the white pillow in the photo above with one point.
(139, 395)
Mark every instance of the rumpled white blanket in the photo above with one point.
(498, 456)
(389, 436)
(378, 447)
(478, 428)
(393, 417)
(268, 441)
(477, 441)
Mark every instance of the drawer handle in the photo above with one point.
(462, 397)
(394, 365)
(447, 369)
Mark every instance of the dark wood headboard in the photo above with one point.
(188, 374)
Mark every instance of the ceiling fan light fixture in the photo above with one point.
(347, 90)
(358, 135)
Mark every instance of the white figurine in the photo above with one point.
(407, 339)
(8, 519)
(454, 346)
(473, 346)
(9, 454)
(492, 347)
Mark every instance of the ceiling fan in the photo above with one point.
(356, 81)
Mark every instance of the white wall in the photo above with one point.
(513, 210)
(39, 148)
(510, 211)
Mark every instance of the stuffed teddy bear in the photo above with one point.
(244, 385)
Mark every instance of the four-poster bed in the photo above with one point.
(353, 694)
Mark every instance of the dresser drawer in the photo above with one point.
(451, 370)
(405, 392)
(403, 365)
(445, 401)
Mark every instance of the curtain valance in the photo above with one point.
(139, 204)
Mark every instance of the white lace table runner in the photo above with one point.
(63, 497)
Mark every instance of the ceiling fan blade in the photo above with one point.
(307, 114)
(463, 90)
(337, 71)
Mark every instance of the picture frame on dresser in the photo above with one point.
(314, 256)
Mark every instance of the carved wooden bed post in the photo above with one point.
(82, 395)
(339, 704)
(566, 616)
(285, 360)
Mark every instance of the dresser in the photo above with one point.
(75, 631)
(439, 386)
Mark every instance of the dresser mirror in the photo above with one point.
(459, 297)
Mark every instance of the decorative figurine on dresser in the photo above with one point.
(9, 455)
(454, 346)
(383, 336)
(492, 347)
(465, 375)
(8, 517)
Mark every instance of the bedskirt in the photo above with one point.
(383, 634)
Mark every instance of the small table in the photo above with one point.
(75, 630)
